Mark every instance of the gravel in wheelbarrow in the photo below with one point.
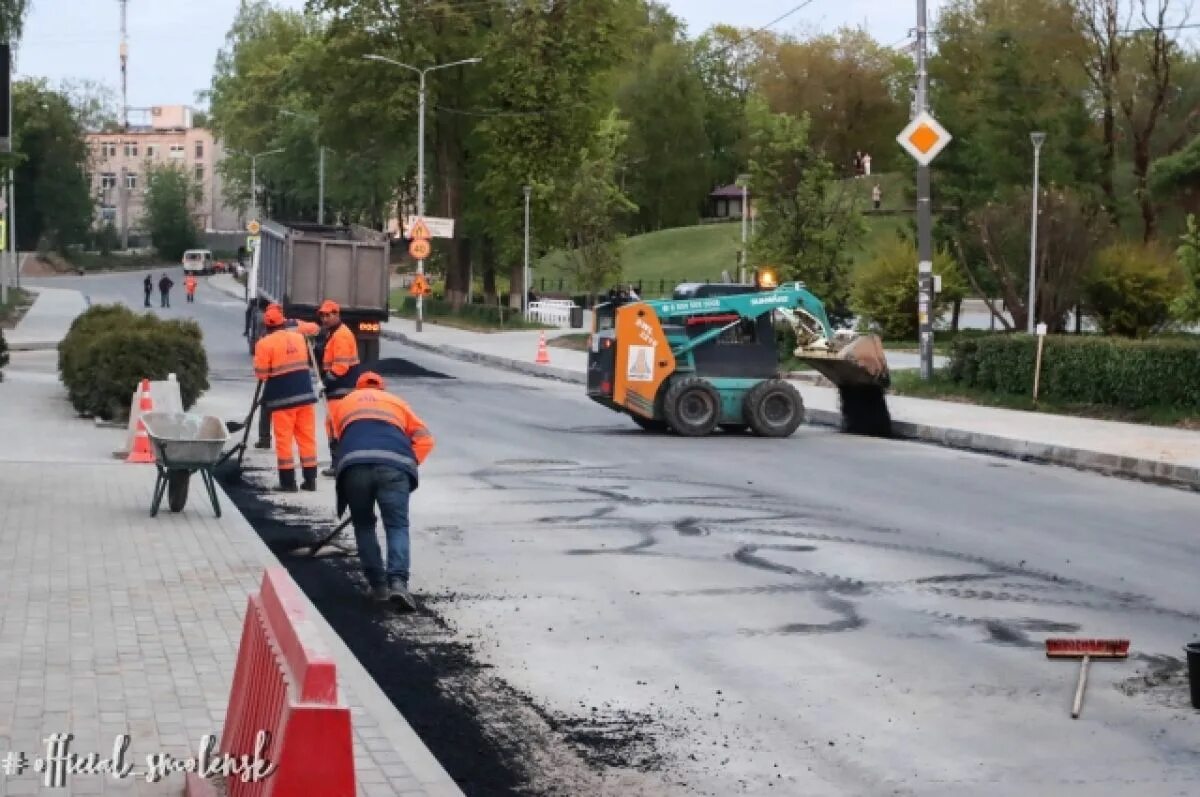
(184, 443)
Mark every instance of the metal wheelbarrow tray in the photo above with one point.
(183, 444)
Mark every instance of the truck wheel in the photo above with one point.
(774, 408)
(368, 350)
(692, 407)
(650, 424)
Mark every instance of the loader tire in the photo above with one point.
(650, 424)
(692, 407)
(774, 408)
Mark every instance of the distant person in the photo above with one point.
(189, 285)
(164, 286)
(148, 288)
(631, 294)
(866, 162)
(877, 196)
(858, 164)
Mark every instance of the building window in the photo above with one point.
(109, 149)
(199, 149)
(151, 150)
(108, 214)
(131, 149)
(130, 180)
(200, 174)
(177, 150)
(108, 180)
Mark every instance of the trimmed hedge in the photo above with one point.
(3, 354)
(109, 349)
(1112, 372)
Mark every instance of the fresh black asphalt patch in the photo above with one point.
(491, 739)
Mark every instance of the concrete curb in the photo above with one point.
(1139, 468)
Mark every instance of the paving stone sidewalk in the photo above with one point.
(113, 622)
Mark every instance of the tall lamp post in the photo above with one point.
(525, 279)
(744, 181)
(1038, 139)
(254, 178)
(420, 145)
(320, 166)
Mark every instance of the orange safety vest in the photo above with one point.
(339, 362)
(281, 360)
(190, 284)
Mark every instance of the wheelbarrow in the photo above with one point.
(184, 443)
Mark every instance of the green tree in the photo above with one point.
(591, 205)
(1186, 308)
(54, 204)
(885, 288)
(1131, 287)
(12, 19)
(725, 62)
(668, 148)
(170, 195)
(808, 223)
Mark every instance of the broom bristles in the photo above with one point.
(1096, 648)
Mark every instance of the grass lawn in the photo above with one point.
(474, 318)
(19, 300)
(909, 383)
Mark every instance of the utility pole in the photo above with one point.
(525, 278)
(123, 188)
(124, 69)
(1037, 139)
(420, 148)
(745, 181)
(321, 189)
(924, 212)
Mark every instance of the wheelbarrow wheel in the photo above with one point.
(177, 489)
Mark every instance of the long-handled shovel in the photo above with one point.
(235, 427)
(316, 547)
(1086, 650)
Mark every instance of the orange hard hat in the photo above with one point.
(274, 316)
(370, 379)
(329, 306)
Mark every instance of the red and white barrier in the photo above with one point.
(285, 683)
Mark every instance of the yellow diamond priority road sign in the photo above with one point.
(924, 138)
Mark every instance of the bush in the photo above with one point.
(109, 350)
(1130, 289)
(1112, 372)
(3, 354)
(885, 289)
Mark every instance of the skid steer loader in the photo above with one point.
(707, 358)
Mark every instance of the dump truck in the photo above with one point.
(298, 266)
(708, 359)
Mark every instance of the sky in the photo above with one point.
(173, 44)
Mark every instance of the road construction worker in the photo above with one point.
(339, 365)
(281, 361)
(306, 328)
(189, 284)
(381, 444)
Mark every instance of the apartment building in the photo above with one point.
(120, 162)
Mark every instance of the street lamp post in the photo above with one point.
(320, 166)
(525, 279)
(420, 146)
(745, 181)
(254, 178)
(1038, 139)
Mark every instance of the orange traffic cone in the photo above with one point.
(543, 354)
(141, 450)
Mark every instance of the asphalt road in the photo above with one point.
(823, 615)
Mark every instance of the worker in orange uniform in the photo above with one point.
(308, 329)
(281, 360)
(339, 366)
(381, 444)
(189, 284)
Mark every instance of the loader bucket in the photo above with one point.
(860, 372)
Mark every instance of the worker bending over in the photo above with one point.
(281, 360)
(381, 444)
(339, 366)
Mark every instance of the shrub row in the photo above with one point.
(109, 349)
(1113, 372)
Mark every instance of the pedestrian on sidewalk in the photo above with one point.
(877, 196)
(339, 367)
(164, 286)
(148, 288)
(189, 284)
(381, 445)
(281, 361)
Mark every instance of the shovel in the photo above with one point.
(1086, 650)
(236, 426)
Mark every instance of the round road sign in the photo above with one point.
(253, 228)
(420, 249)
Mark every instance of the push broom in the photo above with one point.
(1085, 650)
